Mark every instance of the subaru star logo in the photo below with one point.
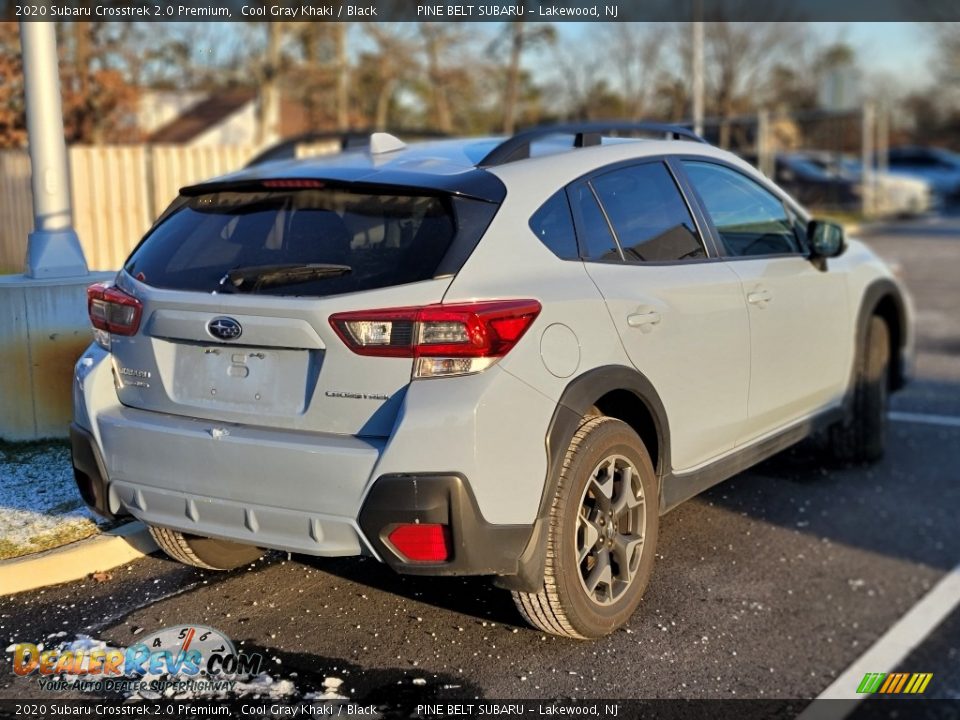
(224, 328)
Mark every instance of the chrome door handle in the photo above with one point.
(759, 297)
(643, 320)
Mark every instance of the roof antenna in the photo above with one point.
(381, 143)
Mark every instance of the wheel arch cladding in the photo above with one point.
(882, 297)
(616, 391)
(613, 390)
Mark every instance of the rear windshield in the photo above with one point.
(369, 240)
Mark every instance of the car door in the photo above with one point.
(679, 314)
(799, 315)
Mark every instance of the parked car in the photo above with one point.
(899, 195)
(478, 357)
(811, 184)
(937, 166)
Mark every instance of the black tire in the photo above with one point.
(204, 552)
(862, 437)
(565, 605)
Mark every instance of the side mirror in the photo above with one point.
(826, 238)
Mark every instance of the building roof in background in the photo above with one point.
(202, 116)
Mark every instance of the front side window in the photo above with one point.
(750, 219)
(651, 221)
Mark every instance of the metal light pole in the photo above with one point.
(697, 88)
(883, 139)
(765, 161)
(867, 158)
(53, 248)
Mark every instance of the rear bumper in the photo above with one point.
(326, 494)
(89, 472)
(478, 547)
(161, 469)
(293, 491)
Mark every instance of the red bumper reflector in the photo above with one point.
(422, 542)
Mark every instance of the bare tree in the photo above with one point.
(634, 50)
(394, 60)
(576, 82)
(738, 57)
(342, 71)
(521, 37)
(268, 107)
(438, 39)
(947, 67)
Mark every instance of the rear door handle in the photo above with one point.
(759, 297)
(644, 320)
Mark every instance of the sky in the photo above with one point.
(897, 48)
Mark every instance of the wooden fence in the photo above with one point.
(117, 192)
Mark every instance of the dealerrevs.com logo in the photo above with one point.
(185, 657)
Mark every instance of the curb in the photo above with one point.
(76, 560)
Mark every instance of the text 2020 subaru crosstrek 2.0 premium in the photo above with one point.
(477, 356)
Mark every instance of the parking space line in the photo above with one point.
(889, 650)
(925, 419)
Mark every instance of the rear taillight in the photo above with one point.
(112, 312)
(422, 542)
(444, 340)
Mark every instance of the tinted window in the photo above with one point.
(750, 219)
(649, 217)
(385, 239)
(597, 241)
(553, 224)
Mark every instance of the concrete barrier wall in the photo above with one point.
(43, 330)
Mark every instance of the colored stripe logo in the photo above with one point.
(894, 683)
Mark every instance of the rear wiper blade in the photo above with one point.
(254, 277)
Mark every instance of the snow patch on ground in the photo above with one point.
(40, 506)
(331, 687)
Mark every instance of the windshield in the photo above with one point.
(381, 240)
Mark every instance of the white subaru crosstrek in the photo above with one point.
(503, 357)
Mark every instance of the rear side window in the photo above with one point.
(370, 240)
(553, 225)
(598, 242)
(651, 221)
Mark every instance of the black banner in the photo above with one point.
(466, 11)
(915, 709)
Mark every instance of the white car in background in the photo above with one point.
(937, 166)
(896, 194)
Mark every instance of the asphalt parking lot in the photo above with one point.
(769, 585)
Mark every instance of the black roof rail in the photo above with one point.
(586, 134)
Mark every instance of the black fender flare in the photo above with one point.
(575, 402)
(874, 294)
